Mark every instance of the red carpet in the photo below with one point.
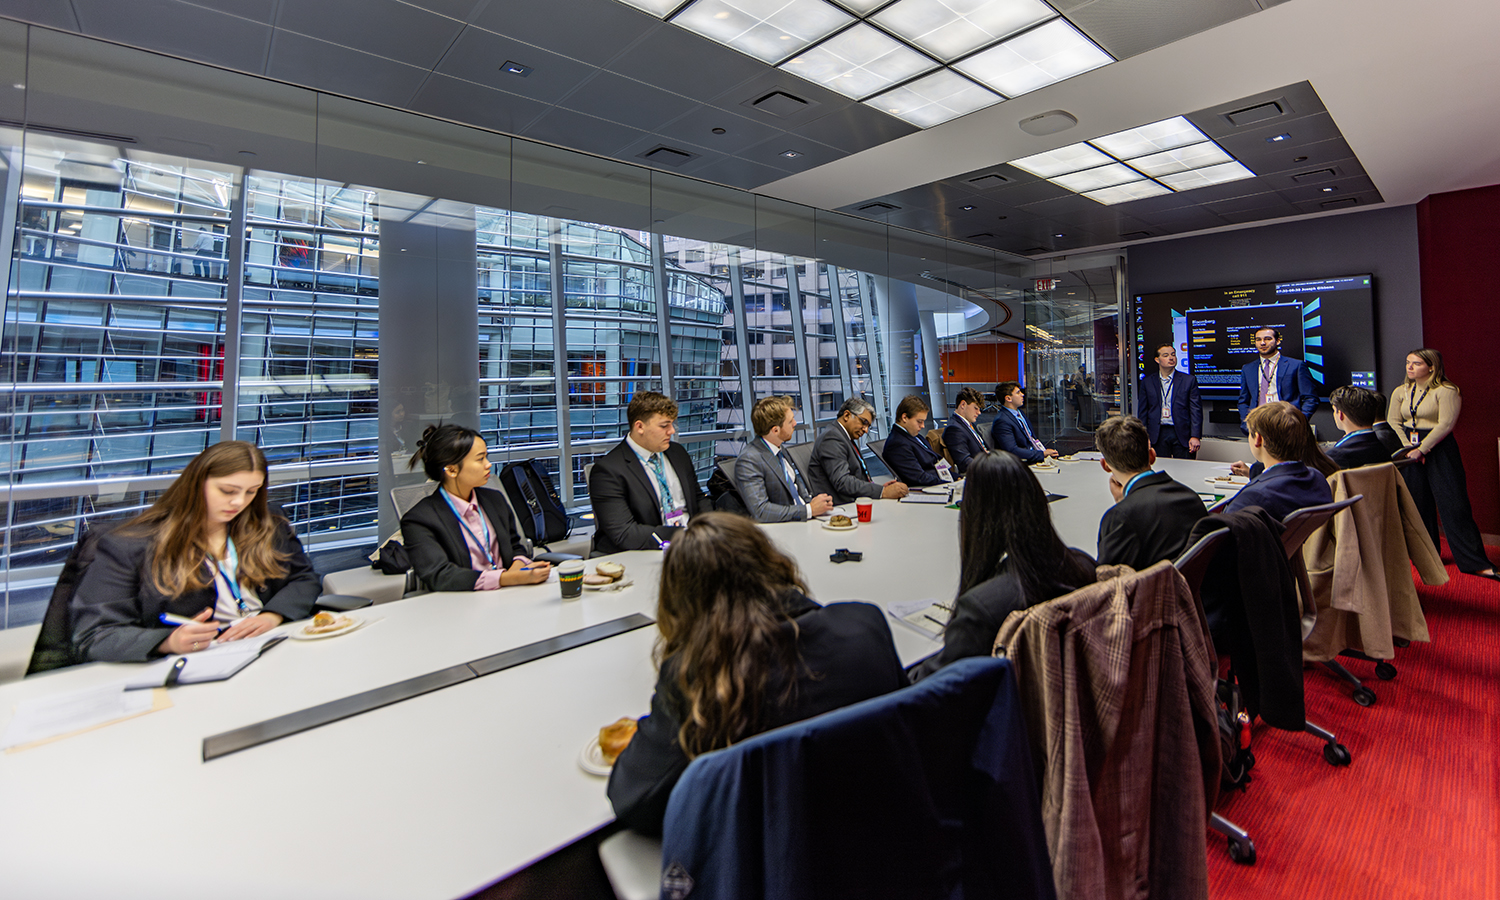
(1417, 814)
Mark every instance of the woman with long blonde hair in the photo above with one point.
(209, 549)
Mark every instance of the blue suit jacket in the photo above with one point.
(1187, 406)
(1283, 489)
(963, 443)
(1294, 384)
(1007, 435)
(911, 459)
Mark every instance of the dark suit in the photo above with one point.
(434, 540)
(626, 509)
(1187, 413)
(1150, 524)
(964, 442)
(911, 459)
(845, 655)
(837, 470)
(1283, 489)
(1389, 438)
(1008, 435)
(1294, 384)
(116, 607)
(761, 480)
(1362, 448)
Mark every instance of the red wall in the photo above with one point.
(986, 364)
(1458, 237)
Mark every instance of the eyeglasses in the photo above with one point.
(869, 423)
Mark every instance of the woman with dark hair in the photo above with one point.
(209, 549)
(742, 650)
(1423, 412)
(1009, 557)
(461, 537)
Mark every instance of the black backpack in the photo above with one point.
(725, 496)
(536, 502)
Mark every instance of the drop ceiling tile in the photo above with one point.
(821, 101)
(740, 173)
(1362, 199)
(937, 195)
(1316, 155)
(178, 29)
(577, 131)
(1022, 195)
(478, 55)
(383, 27)
(454, 9)
(1269, 199)
(856, 127)
(259, 10)
(1348, 184)
(1251, 143)
(1311, 175)
(1298, 100)
(1177, 221)
(587, 30)
(1259, 214)
(44, 12)
(740, 133)
(813, 154)
(329, 67)
(463, 101)
(619, 99)
(687, 63)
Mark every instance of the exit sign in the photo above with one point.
(1047, 284)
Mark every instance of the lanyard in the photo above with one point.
(1353, 434)
(1022, 419)
(231, 575)
(484, 547)
(1412, 392)
(1131, 483)
(857, 456)
(1166, 394)
(975, 432)
(658, 468)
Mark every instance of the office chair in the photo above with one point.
(801, 455)
(1299, 525)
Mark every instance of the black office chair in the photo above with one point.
(1299, 525)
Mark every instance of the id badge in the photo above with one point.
(1037, 444)
(677, 518)
(1416, 439)
(944, 470)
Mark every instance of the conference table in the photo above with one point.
(432, 797)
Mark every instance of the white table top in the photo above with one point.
(432, 797)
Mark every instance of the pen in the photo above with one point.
(660, 544)
(170, 619)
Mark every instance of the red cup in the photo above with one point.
(865, 508)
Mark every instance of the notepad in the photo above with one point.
(922, 497)
(217, 663)
(927, 615)
(74, 712)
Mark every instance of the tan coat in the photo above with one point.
(1358, 566)
(1117, 682)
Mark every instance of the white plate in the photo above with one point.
(351, 623)
(620, 585)
(591, 759)
(850, 527)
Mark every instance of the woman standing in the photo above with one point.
(1423, 411)
(209, 549)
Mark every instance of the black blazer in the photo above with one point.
(964, 442)
(1151, 524)
(1359, 449)
(434, 540)
(115, 609)
(1008, 435)
(846, 655)
(1187, 406)
(911, 458)
(626, 511)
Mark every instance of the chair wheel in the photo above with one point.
(1364, 696)
(1242, 852)
(1385, 671)
(1337, 755)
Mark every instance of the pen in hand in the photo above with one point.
(172, 619)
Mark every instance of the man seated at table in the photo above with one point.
(837, 469)
(1355, 412)
(1012, 432)
(963, 440)
(773, 488)
(911, 458)
(1153, 513)
(645, 489)
(1280, 439)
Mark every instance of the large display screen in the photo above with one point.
(1326, 322)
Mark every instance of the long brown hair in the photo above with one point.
(1434, 360)
(178, 516)
(721, 613)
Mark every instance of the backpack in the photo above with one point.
(536, 502)
(725, 496)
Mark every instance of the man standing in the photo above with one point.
(1170, 407)
(837, 469)
(773, 488)
(1153, 514)
(1275, 377)
(1012, 432)
(963, 440)
(644, 489)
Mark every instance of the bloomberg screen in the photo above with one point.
(1326, 322)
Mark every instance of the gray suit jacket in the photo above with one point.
(837, 470)
(762, 485)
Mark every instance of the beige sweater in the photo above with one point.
(1437, 409)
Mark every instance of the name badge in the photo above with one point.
(944, 470)
(1037, 444)
(1415, 438)
(677, 517)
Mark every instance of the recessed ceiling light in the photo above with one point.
(1328, 189)
(966, 208)
(858, 62)
(1061, 161)
(1164, 135)
(1186, 181)
(1299, 159)
(1101, 177)
(950, 29)
(1276, 139)
(1120, 193)
(860, 7)
(658, 8)
(1045, 55)
(934, 99)
(1195, 156)
(791, 154)
(1059, 234)
(515, 68)
(768, 31)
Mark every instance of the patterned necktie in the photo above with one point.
(661, 481)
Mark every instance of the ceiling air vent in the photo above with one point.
(981, 236)
(878, 207)
(1253, 114)
(663, 155)
(989, 180)
(1134, 235)
(1342, 201)
(1315, 175)
(1034, 250)
(780, 104)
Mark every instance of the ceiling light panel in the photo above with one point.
(934, 99)
(950, 28)
(860, 7)
(1102, 177)
(1187, 181)
(1061, 161)
(1182, 159)
(1164, 135)
(1135, 190)
(658, 8)
(1045, 55)
(858, 62)
(769, 30)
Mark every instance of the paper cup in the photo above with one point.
(570, 578)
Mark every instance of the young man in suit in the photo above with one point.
(773, 488)
(1012, 432)
(1153, 514)
(836, 468)
(963, 440)
(911, 459)
(645, 489)
(1275, 377)
(1279, 439)
(1170, 407)
(1355, 412)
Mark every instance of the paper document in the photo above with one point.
(75, 711)
(924, 497)
(214, 664)
(927, 616)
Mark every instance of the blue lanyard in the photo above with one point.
(1352, 434)
(231, 575)
(1131, 483)
(658, 467)
(1022, 419)
(484, 547)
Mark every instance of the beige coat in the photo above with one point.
(1117, 683)
(1359, 566)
